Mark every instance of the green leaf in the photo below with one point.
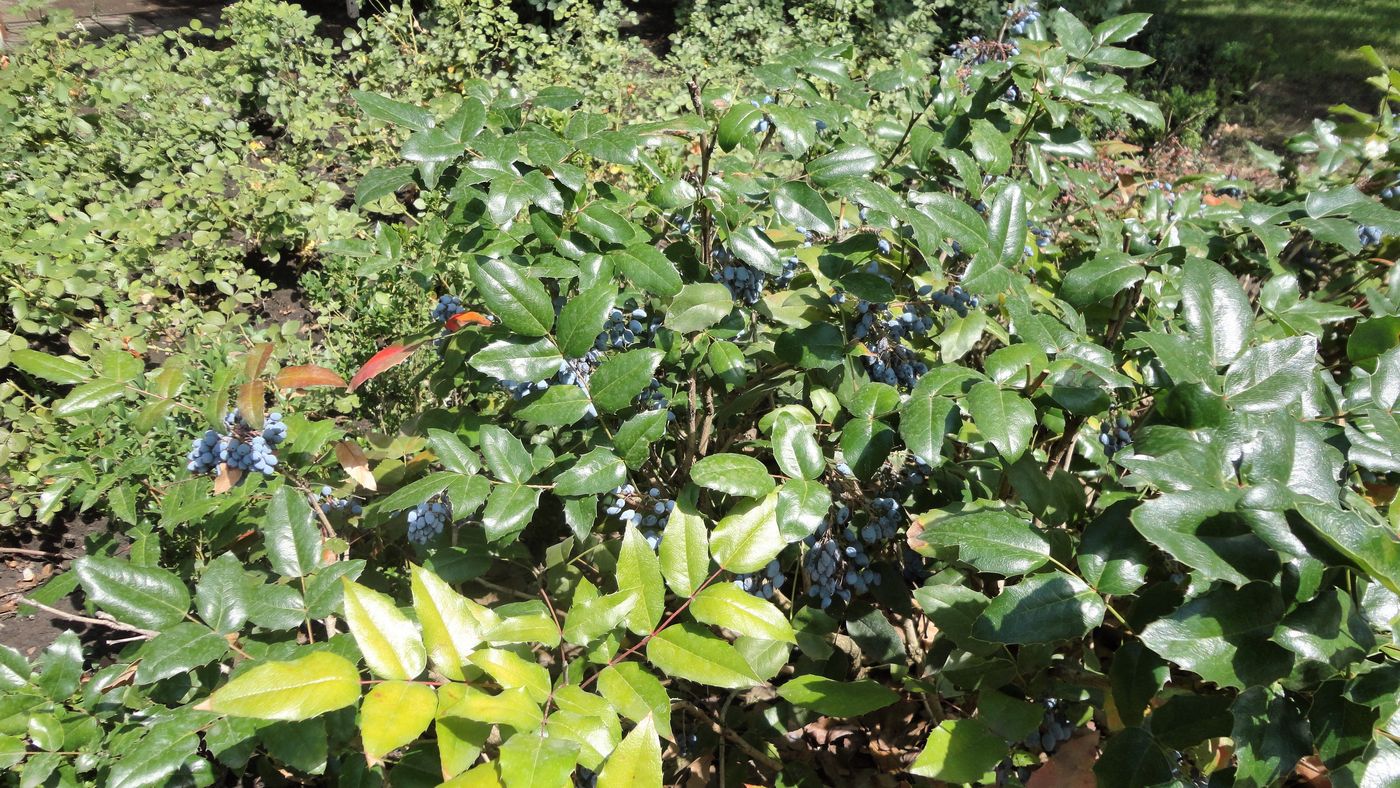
(639, 572)
(1215, 309)
(517, 360)
(672, 194)
(636, 694)
(845, 162)
(1198, 530)
(381, 182)
(1102, 278)
(1135, 677)
(837, 698)
(800, 205)
(452, 453)
(582, 318)
(417, 491)
(389, 641)
(648, 269)
(513, 707)
(636, 435)
(955, 219)
(698, 306)
(727, 361)
(1118, 29)
(604, 223)
(1184, 359)
(522, 303)
(508, 510)
(1132, 759)
(155, 757)
(1186, 720)
(89, 396)
(178, 649)
(1271, 376)
(293, 540)
(748, 538)
(724, 605)
(795, 448)
(589, 620)
(391, 111)
(596, 472)
(636, 762)
(298, 689)
(990, 148)
(453, 626)
(1271, 736)
(959, 751)
(752, 245)
(1328, 630)
(685, 550)
(54, 369)
(511, 671)
(802, 508)
(1369, 546)
(866, 444)
(732, 474)
(1004, 417)
(737, 124)
(395, 714)
(1006, 226)
(622, 377)
(220, 595)
(144, 596)
(559, 406)
(1041, 609)
(1113, 557)
(923, 422)
(505, 455)
(1223, 636)
(992, 541)
(529, 760)
(687, 651)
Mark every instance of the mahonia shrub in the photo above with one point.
(781, 422)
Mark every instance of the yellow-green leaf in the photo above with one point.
(389, 641)
(512, 707)
(636, 762)
(511, 671)
(688, 651)
(639, 572)
(452, 624)
(295, 690)
(394, 714)
(726, 606)
(747, 539)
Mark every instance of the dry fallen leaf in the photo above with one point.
(226, 479)
(353, 460)
(1072, 765)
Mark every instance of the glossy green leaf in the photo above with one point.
(293, 540)
(595, 473)
(453, 626)
(529, 760)
(636, 694)
(802, 508)
(959, 751)
(732, 474)
(837, 698)
(724, 605)
(689, 652)
(179, 649)
(144, 596)
(801, 205)
(698, 306)
(1215, 310)
(1004, 417)
(1223, 636)
(1041, 609)
(389, 641)
(748, 537)
(582, 317)
(685, 549)
(992, 541)
(521, 303)
(639, 572)
(621, 378)
(517, 360)
(795, 448)
(636, 761)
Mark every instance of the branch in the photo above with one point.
(107, 621)
(739, 741)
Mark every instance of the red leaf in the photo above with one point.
(387, 358)
(308, 376)
(256, 360)
(459, 320)
(251, 403)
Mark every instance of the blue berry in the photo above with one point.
(1369, 235)
(427, 519)
(1018, 18)
(447, 307)
(330, 505)
(1114, 435)
(649, 511)
(241, 447)
(764, 583)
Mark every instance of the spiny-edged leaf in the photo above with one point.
(1006, 225)
(636, 762)
(518, 360)
(1135, 677)
(866, 444)
(837, 698)
(748, 537)
(298, 689)
(1041, 609)
(956, 220)
(1271, 734)
(510, 670)
(394, 714)
(1004, 417)
(308, 376)
(220, 596)
(418, 491)
(512, 707)
(621, 378)
(732, 474)
(636, 694)
(1190, 527)
(688, 651)
(724, 605)
(737, 123)
(753, 246)
(505, 455)
(1223, 636)
(558, 406)
(382, 181)
(144, 596)
(795, 447)
(604, 223)
(54, 369)
(959, 751)
(180, 648)
(802, 507)
(1271, 376)
(992, 541)
(596, 472)
(393, 111)
(390, 642)
(801, 205)
(529, 760)
(649, 269)
(89, 396)
(699, 306)
(1133, 759)
(1370, 546)
(508, 510)
(1102, 278)
(844, 162)
(453, 626)
(590, 619)
(452, 452)
(153, 760)
(521, 302)
(923, 423)
(582, 318)
(636, 435)
(1215, 309)
(639, 572)
(685, 549)
(384, 360)
(293, 540)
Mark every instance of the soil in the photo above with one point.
(50, 552)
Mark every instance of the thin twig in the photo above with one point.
(109, 623)
(500, 589)
(36, 553)
(739, 741)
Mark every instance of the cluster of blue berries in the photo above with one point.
(519, 390)
(1042, 236)
(654, 398)
(427, 519)
(681, 221)
(891, 360)
(956, 299)
(624, 327)
(1054, 729)
(447, 307)
(1369, 235)
(745, 284)
(838, 562)
(1165, 187)
(976, 51)
(329, 504)
(648, 511)
(1018, 18)
(241, 447)
(1391, 192)
(915, 473)
(1114, 435)
(764, 583)
(762, 126)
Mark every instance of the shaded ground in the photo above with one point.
(102, 18)
(29, 562)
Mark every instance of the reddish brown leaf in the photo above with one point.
(252, 403)
(226, 479)
(467, 319)
(1072, 765)
(256, 361)
(355, 463)
(306, 377)
(385, 359)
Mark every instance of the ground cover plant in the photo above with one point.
(848, 423)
